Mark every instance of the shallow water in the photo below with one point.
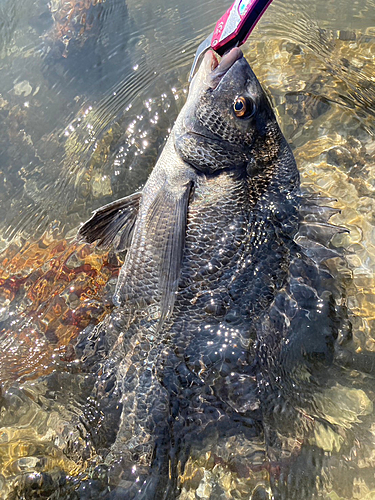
(88, 93)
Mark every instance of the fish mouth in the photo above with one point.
(219, 69)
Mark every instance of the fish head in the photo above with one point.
(227, 121)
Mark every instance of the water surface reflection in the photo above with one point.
(88, 93)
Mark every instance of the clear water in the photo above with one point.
(88, 92)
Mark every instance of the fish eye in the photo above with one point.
(243, 107)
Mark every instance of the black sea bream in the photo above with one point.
(225, 320)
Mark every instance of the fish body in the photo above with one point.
(221, 317)
(209, 249)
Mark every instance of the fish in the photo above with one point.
(226, 318)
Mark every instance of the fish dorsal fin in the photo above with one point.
(113, 223)
(316, 251)
(315, 231)
(150, 274)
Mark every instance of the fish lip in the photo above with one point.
(219, 70)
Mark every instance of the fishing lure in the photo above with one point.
(232, 29)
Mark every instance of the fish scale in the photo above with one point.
(233, 261)
(226, 320)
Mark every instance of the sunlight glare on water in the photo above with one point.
(89, 91)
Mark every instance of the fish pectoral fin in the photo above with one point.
(113, 223)
(152, 266)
